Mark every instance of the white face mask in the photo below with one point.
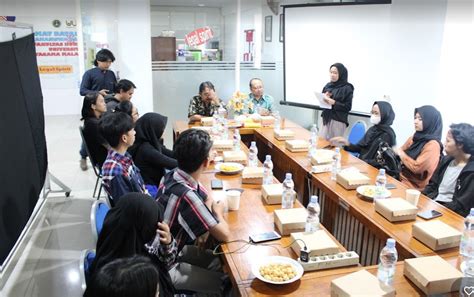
(375, 119)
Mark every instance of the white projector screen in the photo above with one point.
(317, 36)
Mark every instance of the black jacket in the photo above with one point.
(463, 197)
(96, 144)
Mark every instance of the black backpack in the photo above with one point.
(387, 159)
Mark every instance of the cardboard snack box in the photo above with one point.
(207, 121)
(360, 283)
(252, 175)
(267, 120)
(436, 235)
(351, 179)
(223, 144)
(272, 193)
(396, 209)
(318, 243)
(322, 157)
(235, 156)
(433, 275)
(290, 220)
(284, 134)
(297, 145)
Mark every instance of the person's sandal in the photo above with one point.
(83, 164)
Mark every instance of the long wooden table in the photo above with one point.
(352, 220)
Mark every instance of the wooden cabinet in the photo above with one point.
(163, 48)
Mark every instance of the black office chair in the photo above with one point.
(95, 166)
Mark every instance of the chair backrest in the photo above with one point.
(98, 212)
(357, 132)
(85, 261)
(95, 166)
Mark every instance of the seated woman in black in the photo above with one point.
(148, 151)
(93, 107)
(129, 229)
(452, 184)
(382, 117)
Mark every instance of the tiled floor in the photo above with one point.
(49, 264)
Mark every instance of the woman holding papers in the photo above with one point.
(382, 116)
(338, 94)
(421, 153)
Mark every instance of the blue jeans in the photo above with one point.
(83, 151)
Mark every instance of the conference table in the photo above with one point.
(353, 222)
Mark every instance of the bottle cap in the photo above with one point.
(313, 199)
(268, 158)
(471, 213)
(288, 176)
(338, 150)
(253, 143)
(391, 242)
(382, 171)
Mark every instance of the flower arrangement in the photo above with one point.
(239, 103)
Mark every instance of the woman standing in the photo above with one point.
(421, 153)
(337, 93)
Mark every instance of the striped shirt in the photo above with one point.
(185, 212)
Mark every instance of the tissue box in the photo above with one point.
(320, 157)
(223, 144)
(318, 243)
(360, 283)
(396, 209)
(283, 134)
(351, 179)
(272, 193)
(433, 275)
(290, 220)
(235, 156)
(436, 235)
(297, 145)
(207, 121)
(252, 175)
(267, 120)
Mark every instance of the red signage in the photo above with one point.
(199, 36)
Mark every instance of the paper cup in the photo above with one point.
(233, 199)
(412, 196)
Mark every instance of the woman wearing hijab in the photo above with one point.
(338, 93)
(148, 152)
(129, 229)
(382, 116)
(421, 153)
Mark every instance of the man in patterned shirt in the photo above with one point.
(205, 104)
(119, 173)
(191, 214)
(262, 102)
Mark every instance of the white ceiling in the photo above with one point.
(193, 3)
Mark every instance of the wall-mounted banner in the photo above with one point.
(199, 36)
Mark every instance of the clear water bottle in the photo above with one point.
(288, 196)
(336, 163)
(221, 112)
(253, 155)
(380, 183)
(268, 170)
(388, 259)
(466, 247)
(276, 115)
(313, 141)
(236, 140)
(225, 129)
(215, 124)
(312, 221)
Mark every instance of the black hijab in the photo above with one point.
(149, 128)
(432, 129)
(342, 80)
(128, 226)
(387, 116)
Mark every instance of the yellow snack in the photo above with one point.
(228, 168)
(277, 272)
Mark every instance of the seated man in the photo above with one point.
(205, 104)
(119, 173)
(262, 103)
(452, 184)
(190, 213)
(123, 92)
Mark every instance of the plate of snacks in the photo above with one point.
(229, 168)
(277, 270)
(369, 192)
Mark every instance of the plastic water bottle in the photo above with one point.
(225, 129)
(388, 259)
(380, 182)
(221, 112)
(466, 247)
(253, 155)
(288, 196)
(336, 163)
(236, 140)
(276, 115)
(268, 170)
(312, 221)
(313, 141)
(215, 124)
